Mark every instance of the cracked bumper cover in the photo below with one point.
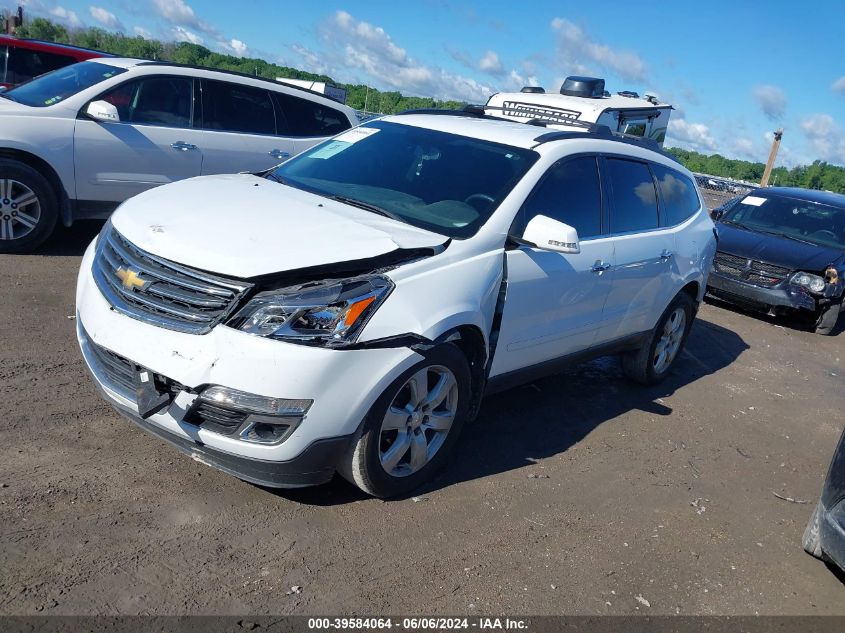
(782, 296)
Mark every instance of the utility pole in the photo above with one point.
(772, 156)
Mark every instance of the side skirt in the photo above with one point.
(526, 375)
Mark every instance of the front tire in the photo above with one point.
(408, 434)
(651, 363)
(826, 323)
(29, 208)
(812, 541)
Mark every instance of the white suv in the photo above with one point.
(348, 311)
(78, 141)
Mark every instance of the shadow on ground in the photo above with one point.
(546, 417)
(72, 241)
(794, 322)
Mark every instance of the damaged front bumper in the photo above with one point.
(342, 386)
(784, 297)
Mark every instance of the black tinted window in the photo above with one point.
(677, 193)
(235, 108)
(165, 101)
(301, 117)
(634, 197)
(24, 64)
(3, 65)
(570, 192)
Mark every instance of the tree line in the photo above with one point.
(819, 175)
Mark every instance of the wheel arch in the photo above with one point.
(472, 343)
(45, 169)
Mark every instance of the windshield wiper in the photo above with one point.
(7, 96)
(367, 207)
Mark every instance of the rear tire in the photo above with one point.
(29, 207)
(402, 423)
(651, 363)
(826, 323)
(812, 541)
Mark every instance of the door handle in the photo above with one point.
(277, 153)
(600, 266)
(182, 146)
(666, 255)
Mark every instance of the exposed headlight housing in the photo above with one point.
(329, 313)
(811, 282)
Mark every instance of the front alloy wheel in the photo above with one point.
(20, 209)
(411, 429)
(418, 421)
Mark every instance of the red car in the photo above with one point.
(21, 60)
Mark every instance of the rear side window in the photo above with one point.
(3, 53)
(677, 193)
(301, 117)
(230, 107)
(24, 64)
(570, 192)
(162, 101)
(634, 196)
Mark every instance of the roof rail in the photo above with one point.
(468, 110)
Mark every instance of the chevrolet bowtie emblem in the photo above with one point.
(130, 278)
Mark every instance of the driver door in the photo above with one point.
(555, 301)
(154, 142)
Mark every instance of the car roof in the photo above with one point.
(811, 195)
(73, 51)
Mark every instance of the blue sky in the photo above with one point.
(735, 71)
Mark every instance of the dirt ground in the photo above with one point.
(580, 494)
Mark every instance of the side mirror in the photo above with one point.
(102, 111)
(551, 235)
(715, 214)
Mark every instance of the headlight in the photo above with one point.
(813, 283)
(321, 313)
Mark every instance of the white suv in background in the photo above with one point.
(76, 142)
(348, 311)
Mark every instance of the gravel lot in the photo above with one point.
(580, 494)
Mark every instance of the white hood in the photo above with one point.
(244, 226)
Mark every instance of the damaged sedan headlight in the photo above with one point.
(330, 313)
(811, 282)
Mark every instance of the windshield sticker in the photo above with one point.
(754, 201)
(342, 142)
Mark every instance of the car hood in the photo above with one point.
(244, 226)
(779, 251)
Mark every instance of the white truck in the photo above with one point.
(584, 100)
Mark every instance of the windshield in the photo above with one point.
(797, 219)
(433, 180)
(51, 88)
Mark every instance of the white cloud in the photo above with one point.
(771, 100)
(238, 48)
(839, 85)
(66, 16)
(142, 32)
(352, 43)
(313, 62)
(694, 136)
(106, 18)
(181, 34)
(580, 52)
(180, 14)
(490, 63)
(825, 137)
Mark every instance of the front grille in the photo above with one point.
(120, 371)
(749, 270)
(159, 291)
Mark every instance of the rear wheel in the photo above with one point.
(28, 207)
(651, 363)
(410, 431)
(812, 541)
(826, 323)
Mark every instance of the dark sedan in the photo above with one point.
(782, 250)
(825, 534)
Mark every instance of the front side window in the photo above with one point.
(228, 107)
(801, 220)
(160, 101)
(301, 117)
(678, 194)
(3, 58)
(60, 84)
(570, 192)
(634, 197)
(435, 180)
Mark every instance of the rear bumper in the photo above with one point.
(784, 296)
